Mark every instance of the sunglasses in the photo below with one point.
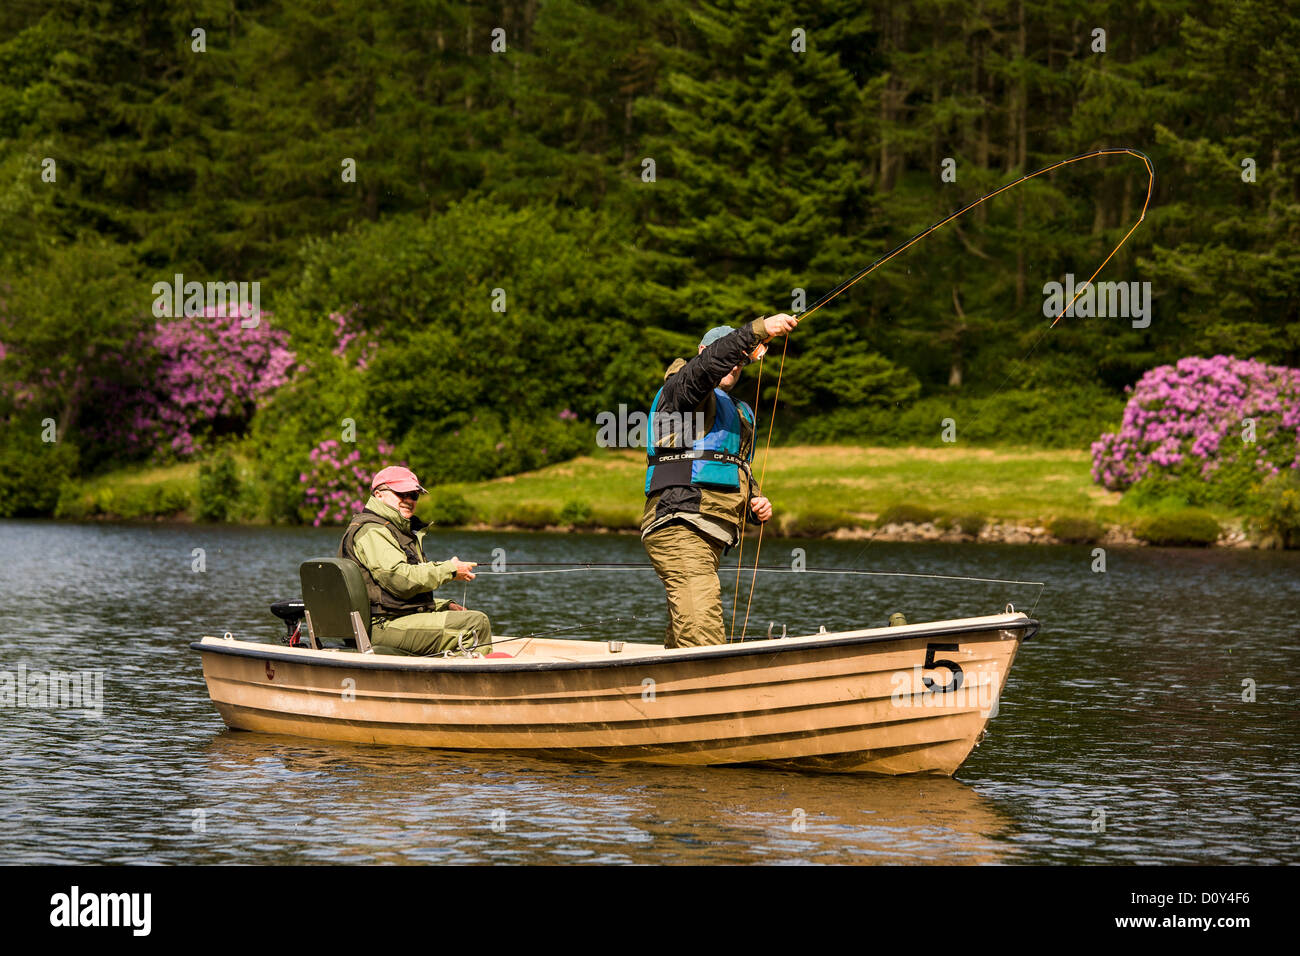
(404, 495)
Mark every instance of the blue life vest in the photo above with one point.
(713, 458)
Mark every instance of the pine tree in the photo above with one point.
(1228, 264)
(757, 190)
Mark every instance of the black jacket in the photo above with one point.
(688, 389)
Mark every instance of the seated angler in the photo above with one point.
(387, 541)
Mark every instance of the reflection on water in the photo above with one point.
(396, 804)
(1122, 735)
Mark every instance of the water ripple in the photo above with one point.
(1125, 733)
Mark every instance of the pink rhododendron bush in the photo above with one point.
(1196, 420)
(213, 368)
(338, 479)
(207, 374)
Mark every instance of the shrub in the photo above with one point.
(1277, 520)
(337, 478)
(905, 514)
(1073, 530)
(576, 513)
(125, 500)
(1188, 420)
(1234, 486)
(75, 502)
(135, 502)
(171, 499)
(449, 508)
(251, 503)
(529, 515)
(562, 267)
(968, 524)
(616, 519)
(1188, 527)
(814, 523)
(487, 446)
(32, 472)
(218, 489)
(205, 375)
(1040, 417)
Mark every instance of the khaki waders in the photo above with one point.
(687, 563)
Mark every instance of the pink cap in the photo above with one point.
(396, 478)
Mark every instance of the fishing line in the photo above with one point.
(624, 567)
(1110, 151)
(850, 282)
(562, 567)
(767, 455)
(740, 553)
(503, 574)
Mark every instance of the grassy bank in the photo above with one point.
(168, 492)
(839, 486)
(818, 490)
(815, 491)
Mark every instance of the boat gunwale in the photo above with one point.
(713, 652)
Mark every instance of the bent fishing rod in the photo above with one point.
(1110, 151)
(853, 280)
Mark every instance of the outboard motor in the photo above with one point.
(292, 613)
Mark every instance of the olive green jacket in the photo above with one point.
(377, 550)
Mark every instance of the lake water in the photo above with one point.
(1122, 735)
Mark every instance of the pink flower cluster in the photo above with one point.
(209, 368)
(212, 367)
(1195, 414)
(345, 333)
(338, 481)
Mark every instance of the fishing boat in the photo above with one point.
(901, 699)
(912, 698)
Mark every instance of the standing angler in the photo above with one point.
(387, 541)
(698, 485)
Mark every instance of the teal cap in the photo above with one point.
(714, 334)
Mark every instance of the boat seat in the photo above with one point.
(337, 607)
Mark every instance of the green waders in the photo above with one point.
(687, 563)
(432, 632)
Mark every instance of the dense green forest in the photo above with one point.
(476, 226)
